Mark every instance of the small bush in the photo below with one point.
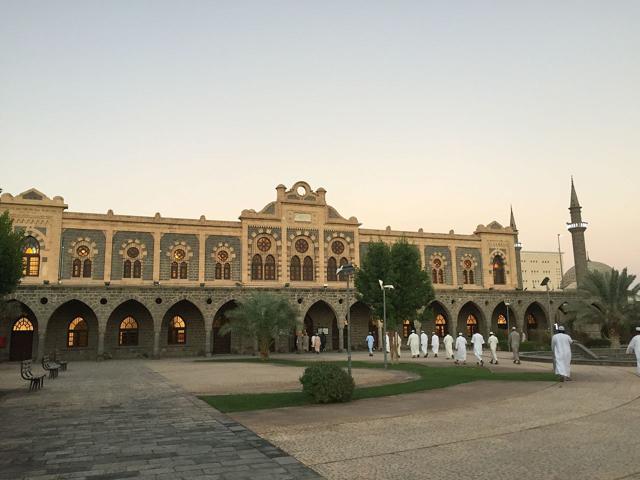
(598, 343)
(327, 383)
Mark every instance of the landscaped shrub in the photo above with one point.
(598, 343)
(327, 383)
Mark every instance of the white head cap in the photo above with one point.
(459, 334)
(637, 329)
(513, 328)
(561, 328)
(490, 333)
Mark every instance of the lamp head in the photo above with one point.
(544, 281)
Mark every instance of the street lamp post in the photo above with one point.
(384, 318)
(506, 304)
(545, 283)
(347, 269)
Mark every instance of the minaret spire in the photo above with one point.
(512, 221)
(518, 246)
(577, 228)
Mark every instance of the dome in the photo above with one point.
(569, 278)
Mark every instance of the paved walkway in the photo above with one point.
(119, 419)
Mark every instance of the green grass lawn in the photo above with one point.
(428, 378)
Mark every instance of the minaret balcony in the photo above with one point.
(577, 225)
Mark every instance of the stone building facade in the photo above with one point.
(118, 285)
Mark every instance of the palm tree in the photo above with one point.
(262, 316)
(610, 301)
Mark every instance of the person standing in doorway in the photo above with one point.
(323, 341)
(514, 341)
(305, 341)
(317, 343)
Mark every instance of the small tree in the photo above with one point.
(263, 316)
(398, 265)
(610, 301)
(10, 255)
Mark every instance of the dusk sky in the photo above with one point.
(434, 115)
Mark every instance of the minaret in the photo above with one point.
(518, 247)
(577, 228)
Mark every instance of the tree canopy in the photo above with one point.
(398, 265)
(262, 316)
(10, 255)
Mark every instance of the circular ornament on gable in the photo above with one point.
(133, 252)
(264, 244)
(467, 264)
(179, 255)
(82, 251)
(337, 248)
(223, 256)
(302, 245)
(437, 263)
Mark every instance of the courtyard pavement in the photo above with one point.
(120, 419)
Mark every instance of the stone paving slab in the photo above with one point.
(119, 419)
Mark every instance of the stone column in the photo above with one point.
(201, 258)
(156, 256)
(41, 343)
(322, 268)
(208, 330)
(108, 252)
(340, 336)
(101, 332)
(454, 265)
(156, 342)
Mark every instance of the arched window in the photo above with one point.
(307, 269)
(174, 269)
(472, 325)
(218, 271)
(332, 266)
(269, 268)
(437, 272)
(342, 277)
(77, 333)
(441, 276)
(467, 273)
(471, 279)
(227, 269)
(406, 328)
(177, 331)
(441, 325)
(502, 322)
(137, 269)
(183, 270)
(126, 271)
(128, 332)
(23, 324)
(531, 321)
(498, 271)
(86, 269)
(294, 269)
(76, 268)
(256, 267)
(30, 257)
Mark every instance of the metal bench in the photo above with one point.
(62, 363)
(50, 366)
(36, 381)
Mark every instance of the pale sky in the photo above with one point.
(411, 114)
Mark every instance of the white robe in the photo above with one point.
(561, 347)
(370, 341)
(398, 343)
(387, 344)
(478, 340)
(435, 344)
(448, 345)
(413, 342)
(493, 345)
(424, 343)
(461, 349)
(634, 346)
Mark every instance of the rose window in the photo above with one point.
(133, 252)
(437, 263)
(264, 244)
(82, 251)
(467, 264)
(179, 255)
(337, 248)
(302, 246)
(224, 256)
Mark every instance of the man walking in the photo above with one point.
(478, 340)
(514, 341)
(448, 345)
(435, 344)
(461, 349)
(370, 341)
(493, 345)
(561, 347)
(413, 342)
(424, 344)
(634, 346)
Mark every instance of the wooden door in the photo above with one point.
(21, 345)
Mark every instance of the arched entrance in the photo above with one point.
(323, 320)
(20, 326)
(362, 323)
(470, 319)
(503, 319)
(129, 331)
(222, 343)
(440, 323)
(182, 331)
(535, 322)
(72, 329)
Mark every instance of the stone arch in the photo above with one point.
(362, 322)
(321, 317)
(144, 319)
(535, 321)
(503, 318)
(223, 344)
(465, 323)
(438, 308)
(56, 341)
(194, 338)
(19, 346)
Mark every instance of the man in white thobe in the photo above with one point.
(478, 340)
(387, 344)
(424, 344)
(448, 345)
(435, 344)
(561, 348)
(514, 341)
(461, 349)
(398, 344)
(493, 345)
(413, 342)
(369, 341)
(634, 346)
